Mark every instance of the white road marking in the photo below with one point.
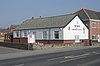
(68, 57)
(82, 55)
(74, 58)
(19, 65)
(77, 55)
(55, 58)
(60, 58)
(95, 52)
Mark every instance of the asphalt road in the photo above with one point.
(83, 57)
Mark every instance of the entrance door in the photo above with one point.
(77, 40)
(98, 38)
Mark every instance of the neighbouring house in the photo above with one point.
(12, 27)
(2, 34)
(9, 36)
(92, 20)
(53, 30)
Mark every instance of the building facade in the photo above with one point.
(92, 20)
(53, 30)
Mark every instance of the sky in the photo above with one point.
(14, 12)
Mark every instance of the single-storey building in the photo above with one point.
(50, 30)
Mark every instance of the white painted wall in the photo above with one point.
(15, 34)
(70, 31)
(39, 33)
(60, 33)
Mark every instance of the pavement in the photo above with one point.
(16, 53)
(5, 50)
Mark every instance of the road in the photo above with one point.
(83, 57)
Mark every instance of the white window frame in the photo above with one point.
(94, 37)
(44, 34)
(94, 25)
(17, 34)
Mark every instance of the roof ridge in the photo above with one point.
(89, 10)
(49, 17)
(56, 16)
(86, 13)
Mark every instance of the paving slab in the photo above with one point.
(5, 50)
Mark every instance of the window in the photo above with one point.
(44, 35)
(93, 37)
(94, 24)
(17, 34)
(56, 34)
(69, 28)
(34, 34)
(25, 33)
(76, 37)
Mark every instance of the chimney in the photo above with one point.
(40, 17)
(32, 17)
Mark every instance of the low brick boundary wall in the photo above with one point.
(15, 45)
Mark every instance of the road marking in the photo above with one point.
(74, 58)
(19, 65)
(68, 57)
(95, 52)
(55, 58)
(86, 54)
(60, 58)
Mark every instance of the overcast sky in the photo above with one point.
(17, 11)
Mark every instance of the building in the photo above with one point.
(12, 27)
(92, 20)
(51, 30)
(8, 37)
(2, 34)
